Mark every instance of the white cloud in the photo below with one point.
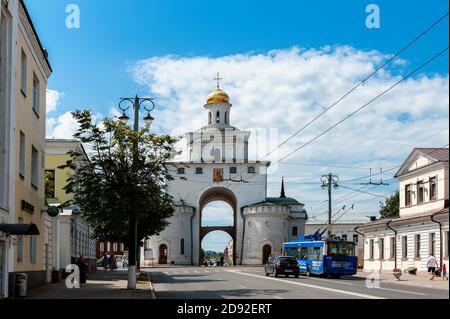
(284, 89)
(53, 98)
(61, 127)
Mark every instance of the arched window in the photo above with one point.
(226, 117)
(217, 117)
(182, 246)
(209, 117)
(115, 247)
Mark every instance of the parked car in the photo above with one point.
(282, 265)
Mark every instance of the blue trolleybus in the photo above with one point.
(327, 257)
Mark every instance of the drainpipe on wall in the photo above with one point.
(395, 243)
(192, 238)
(440, 237)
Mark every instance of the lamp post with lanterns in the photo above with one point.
(136, 103)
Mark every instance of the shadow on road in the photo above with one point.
(220, 294)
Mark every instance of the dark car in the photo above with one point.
(282, 265)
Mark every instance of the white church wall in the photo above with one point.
(265, 224)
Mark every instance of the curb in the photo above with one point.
(152, 289)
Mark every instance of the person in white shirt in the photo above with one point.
(432, 264)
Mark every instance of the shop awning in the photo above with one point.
(19, 229)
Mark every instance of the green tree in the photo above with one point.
(126, 171)
(49, 186)
(391, 206)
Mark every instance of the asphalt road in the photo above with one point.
(251, 283)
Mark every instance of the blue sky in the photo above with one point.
(89, 62)
(282, 63)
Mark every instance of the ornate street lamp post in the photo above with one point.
(136, 103)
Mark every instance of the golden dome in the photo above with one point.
(218, 96)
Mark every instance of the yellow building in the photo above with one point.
(27, 76)
(67, 236)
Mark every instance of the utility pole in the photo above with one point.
(132, 224)
(329, 181)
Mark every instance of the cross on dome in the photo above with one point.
(218, 79)
(218, 95)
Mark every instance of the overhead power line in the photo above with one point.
(364, 192)
(366, 104)
(361, 82)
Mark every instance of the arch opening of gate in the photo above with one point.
(218, 212)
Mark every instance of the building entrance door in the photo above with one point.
(163, 254)
(267, 251)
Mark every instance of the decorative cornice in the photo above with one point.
(26, 22)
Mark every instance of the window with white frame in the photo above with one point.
(381, 247)
(420, 192)
(432, 244)
(408, 201)
(33, 249)
(371, 248)
(433, 188)
(23, 73)
(405, 247)
(36, 94)
(22, 154)
(417, 244)
(102, 247)
(34, 166)
(392, 247)
(20, 245)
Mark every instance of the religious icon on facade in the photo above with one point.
(218, 175)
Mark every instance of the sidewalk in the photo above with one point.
(419, 280)
(99, 285)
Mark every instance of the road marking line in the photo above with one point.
(404, 291)
(312, 286)
(241, 286)
(277, 297)
(186, 272)
(328, 280)
(196, 272)
(166, 273)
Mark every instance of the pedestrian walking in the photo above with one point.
(105, 262)
(444, 272)
(82, 266)
(432, 264)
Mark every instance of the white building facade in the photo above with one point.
(9, 16)
(218, 168)
(422, 227)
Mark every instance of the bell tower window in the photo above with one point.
(226, 117)
(217, 117)
(209, 117)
